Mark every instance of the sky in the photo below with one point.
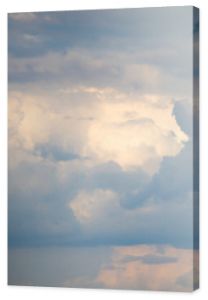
(101, 149)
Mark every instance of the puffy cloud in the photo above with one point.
(133, 133)
(89, 206)
(95, 208)
(105, 220)
(39, 123)
(104, 152)
(71, 203)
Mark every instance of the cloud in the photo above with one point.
(133, 134)
(173, 273)
(76, 203)
(118, 70)
(180, 183)
(107, 130)
(129, 132)
(143, 27)
(40, 122)
(147, 223)
(144, 55)
(104, 152)
(87, 206)
(135, 274)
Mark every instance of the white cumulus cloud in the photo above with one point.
(101, 125)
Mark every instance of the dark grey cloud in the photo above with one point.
(140, 36)
(64, 29)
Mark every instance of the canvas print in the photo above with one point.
(103, 142)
